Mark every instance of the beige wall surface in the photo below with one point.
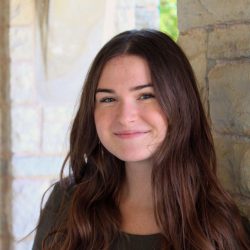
(215, 35)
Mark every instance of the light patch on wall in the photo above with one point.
(76, 32)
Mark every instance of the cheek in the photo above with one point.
(164, 123)
(101, 122)
(162, 128)
(157, 117)
(161, 125)
(163, 120)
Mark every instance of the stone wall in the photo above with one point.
(5, 215)
(215, 35)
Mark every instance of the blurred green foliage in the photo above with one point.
(168, 18)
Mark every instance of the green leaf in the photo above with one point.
(168, 18)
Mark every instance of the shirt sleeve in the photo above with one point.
(49, 215)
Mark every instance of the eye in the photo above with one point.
(107, 100)
(146, 96)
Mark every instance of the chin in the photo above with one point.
(132, 157)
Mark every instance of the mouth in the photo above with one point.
(130, 134)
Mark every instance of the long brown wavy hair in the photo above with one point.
(191, 208)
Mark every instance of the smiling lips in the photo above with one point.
(130, 134)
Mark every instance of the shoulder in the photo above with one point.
(61, 193)
(54, 210)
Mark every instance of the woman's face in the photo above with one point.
(129, 121)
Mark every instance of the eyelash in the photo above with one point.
(105, 99)
(147, 95)
(141, 97)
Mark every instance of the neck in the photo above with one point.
(137, 188)
(136, 203)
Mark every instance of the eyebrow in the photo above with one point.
(111, 91)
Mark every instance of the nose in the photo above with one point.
(126, 113)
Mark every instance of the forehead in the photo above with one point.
(125, 70)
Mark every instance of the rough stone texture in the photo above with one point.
(215, 35)
(229, 41)
(233, 158)
(244, 169)
(194, 44)
(200, 13)
(233, 168)
(227, 165)
(229, 95)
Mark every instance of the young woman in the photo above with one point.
(142, 160)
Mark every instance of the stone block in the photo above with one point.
(244, 169)
(22, 43)
(34, 166)
(56, 129)
(229, 96)
(228, 42)
(27, 194)
(22, 87)
(227, 170)
(198, 13)
(233, 155)
(26, 129)
(22, 12)
(194, 44)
